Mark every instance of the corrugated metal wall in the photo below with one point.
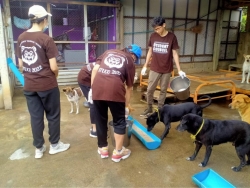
(183, 17)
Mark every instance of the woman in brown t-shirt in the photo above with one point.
(112, 81)
(36, 54)
(84, 81)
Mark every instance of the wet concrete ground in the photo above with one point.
(81, 166)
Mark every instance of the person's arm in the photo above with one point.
(148, 57)
(176, 59)
(94, 71)
(53, 66)
(128, 95)
(20, 65)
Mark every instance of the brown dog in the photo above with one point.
(241, 103)
(73, 96)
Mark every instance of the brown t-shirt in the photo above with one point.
(35, 49)
(84, 76)
(162, 56)
(116, 68)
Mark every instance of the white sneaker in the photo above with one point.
(39, 152)
(60, 147)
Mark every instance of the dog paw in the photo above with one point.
(188, 159)
(236, 169)
(201, 165)
(71, 112)
(77, 112)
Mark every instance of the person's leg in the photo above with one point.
(152, 84)
(101, 110)
(51, 103)
(85, 90)
(92, 117)
(164, 82)
(117, 110)
(36, 111)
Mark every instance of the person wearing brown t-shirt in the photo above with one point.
(112, 81)
(36, 54)
(84, 81)
(162, 50)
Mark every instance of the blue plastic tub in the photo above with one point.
(209, 178)
(150, 140)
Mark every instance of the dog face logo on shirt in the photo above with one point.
(113, 60)
(29, 55)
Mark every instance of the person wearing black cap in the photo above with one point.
(36, 53)
(112, 81)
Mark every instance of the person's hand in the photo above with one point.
(182, 74)
(143, 71)
(90, 96)
(126, 112)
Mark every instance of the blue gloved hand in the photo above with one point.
(182, 74)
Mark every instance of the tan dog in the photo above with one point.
(246, 69)
(241, 103)
(73, 96)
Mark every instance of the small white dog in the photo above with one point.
(73, 96)
(246, 69)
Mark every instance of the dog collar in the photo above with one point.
(194, 136)
(156, 109)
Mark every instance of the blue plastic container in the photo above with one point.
(210, 179)
(147, 138)
(16, 72)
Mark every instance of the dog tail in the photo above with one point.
(209, 101)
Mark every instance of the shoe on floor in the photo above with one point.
(103, 152)
(123, 154)
(60, 147)
(86, 104)
(147, 112)
(93, 134)
(39, 152)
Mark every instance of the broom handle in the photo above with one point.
(69, 30)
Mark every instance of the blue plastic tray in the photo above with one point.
(211, 179)
(147, 138)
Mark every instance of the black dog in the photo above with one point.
(214, 132)
(173, 113)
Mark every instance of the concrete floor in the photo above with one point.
(81, 166)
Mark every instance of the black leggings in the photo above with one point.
(85, 90)
(117, 110)
(47, 102)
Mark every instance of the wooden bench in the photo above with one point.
(235, 66)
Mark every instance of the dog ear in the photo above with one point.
(244, 55)
(246, 98)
